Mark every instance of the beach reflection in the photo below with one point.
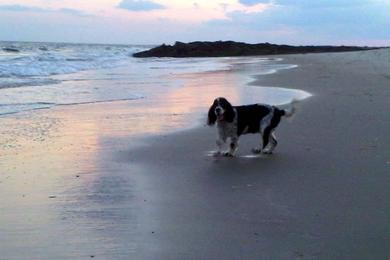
(57, 177)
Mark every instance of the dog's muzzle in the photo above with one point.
(219, 113)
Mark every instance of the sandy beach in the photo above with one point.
(85, 183)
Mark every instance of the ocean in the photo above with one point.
(45, 75)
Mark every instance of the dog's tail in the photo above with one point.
(290, 111)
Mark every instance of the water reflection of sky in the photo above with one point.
(58, 176)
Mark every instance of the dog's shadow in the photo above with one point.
(216, 155)
(240, 167)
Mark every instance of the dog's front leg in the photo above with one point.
(219, 143)
(221, 139)
(232, 147)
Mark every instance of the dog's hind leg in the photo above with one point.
(267, 138)
(257, 150)
(272, 143)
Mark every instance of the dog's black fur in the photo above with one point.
(234, 121)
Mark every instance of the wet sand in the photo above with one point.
(323, 194)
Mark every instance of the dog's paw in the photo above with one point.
(256, 150)
(267, 152)
(215, 153)
(227, 154)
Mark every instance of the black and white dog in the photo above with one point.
(234, 121)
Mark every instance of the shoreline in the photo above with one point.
(321, 195)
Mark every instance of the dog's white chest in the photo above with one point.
(226, 130)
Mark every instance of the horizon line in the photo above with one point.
(155, 44)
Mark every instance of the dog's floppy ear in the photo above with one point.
(229, 113)
(212, 117)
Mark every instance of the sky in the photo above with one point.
(297, 22)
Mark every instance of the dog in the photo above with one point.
(234, 121)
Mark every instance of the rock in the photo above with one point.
(231, 48)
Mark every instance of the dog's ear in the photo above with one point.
(212, 117)
(229, 113)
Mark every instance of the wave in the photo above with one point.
(14, 108)
(6, 82)
(37, 59)
(7, 109)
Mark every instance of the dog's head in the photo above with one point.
(220, 110)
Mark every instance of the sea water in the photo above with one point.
(44, 75)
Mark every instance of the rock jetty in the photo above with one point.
(231, 48)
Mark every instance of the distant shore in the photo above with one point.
(231, 48)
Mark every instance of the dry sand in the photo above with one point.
(324, 194)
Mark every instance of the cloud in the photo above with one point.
(254, 2)
(279, 21)
(322, 3)
(71, 11)
(139, 5)
(309, 3)
(319, 24)
(21, 8)
(24, 8)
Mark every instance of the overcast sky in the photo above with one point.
(348, 22)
